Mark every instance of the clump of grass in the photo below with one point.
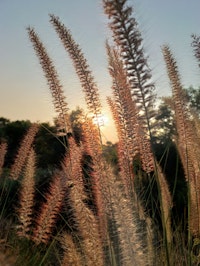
(114, 227)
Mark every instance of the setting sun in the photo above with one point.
(101, 120)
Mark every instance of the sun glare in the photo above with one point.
(100, 120)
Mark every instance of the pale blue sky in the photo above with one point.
(23, 89)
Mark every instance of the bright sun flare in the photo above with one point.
(100, 120)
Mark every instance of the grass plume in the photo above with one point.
(128, 38)
(23, 151)
(186, 141)
(49, 211)
(81, 66)
(26, 200)
(71, 257)
(53, 81)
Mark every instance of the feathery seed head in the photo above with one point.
(52, 80)
(23, 151)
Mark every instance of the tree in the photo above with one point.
(76, 119)
(110, 153)
(164, 126)
(193, 97)
(49, 148)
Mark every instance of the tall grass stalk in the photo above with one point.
(81, 66)
(53, 81)
(187, 144)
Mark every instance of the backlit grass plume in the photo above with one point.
(23, 151)
(52, 80)
(49, 211)
(128, 38)
(127, 112)
(187, 142)
(86, 222)
(133, 141)
(26, 199)
(138, 75)
(71, 256)
(72, 165)
(165, 205)
(81, 66)
(125, 165)
(124, 213)
(93, 147)
(88, 228)
(133, 101)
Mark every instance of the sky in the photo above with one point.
(24, 94)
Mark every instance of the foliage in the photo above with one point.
(193, 95)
